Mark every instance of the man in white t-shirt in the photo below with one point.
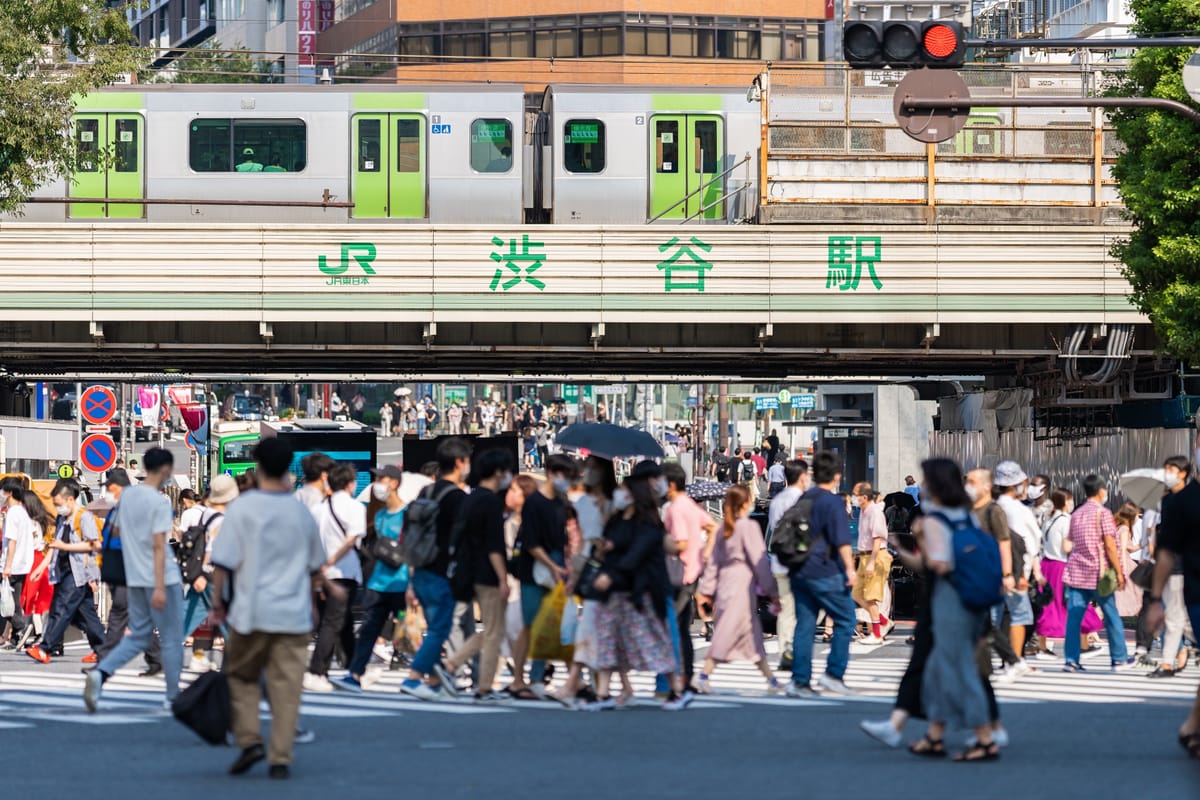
(315, 467)
(271, 546)
(342, 521)
(155, 596)
(18, 551)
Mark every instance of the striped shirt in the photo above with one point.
(1086, 561)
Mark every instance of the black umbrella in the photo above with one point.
(902, 499)
(609, 441)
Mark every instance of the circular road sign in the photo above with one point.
(98, 405)
(931, 125)
(98, 453)
(785, 396)
(66, 472)
(1191, 76)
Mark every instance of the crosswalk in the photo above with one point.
(29, 696)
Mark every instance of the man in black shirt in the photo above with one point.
(483, 555)
(538, 560)
(430, 585)
(1179, 538)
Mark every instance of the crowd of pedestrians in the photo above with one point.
(511, 574)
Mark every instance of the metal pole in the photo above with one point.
(723, 415)
(912, 104)
(1082, 44)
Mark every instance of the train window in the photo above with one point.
(248, 145)
(491, 145)
(666, 136)
(408, 145)
(706, 146)
(87, 145)
(583, 145)
(125, 145)
(368, 145)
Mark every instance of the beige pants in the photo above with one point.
(785, 626)
(485, 643)
(282, 657)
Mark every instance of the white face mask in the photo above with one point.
(106, 496)
(380, 491)
(62, 510)
(561, 485)
(660, 488)
(972, 492)
(506, 480)
(622, 499)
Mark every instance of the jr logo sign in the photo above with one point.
(363, 254)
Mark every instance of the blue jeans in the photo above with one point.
(377, 608)
(143, 619)
(196, 608)
(662, 682)
(811, 595)
(433, 592)
(1077, 603)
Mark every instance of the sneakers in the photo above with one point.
(1121, 666)
(1014, 671)
(800, 692)
(37, 654)
(422, 691)
(703, 686)
(491, 699)
(828, 683)
(200, 664)
(383, 652)
(600, 704)
(1073, 666)
(870, 641)
(304, 736)
(348, 683)
(882, 731)
(774, 686)
(90, 658)
(317, 683)
(679, 703)
(92, 685)
(447, 679)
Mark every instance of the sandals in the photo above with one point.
(520, 694)
(1191, 743)
(928, 748)
(979, 752)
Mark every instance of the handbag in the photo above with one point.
(1109, 580)
(8, 604)
(204, 707)
(112, 560)
(1143, 574)
(387, 552)
(585, 587)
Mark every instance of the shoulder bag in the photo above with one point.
(1109, 580)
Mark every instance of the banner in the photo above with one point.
(196, 420)
(150, 400)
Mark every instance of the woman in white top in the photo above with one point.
(951, 689)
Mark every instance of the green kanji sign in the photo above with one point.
(517, 263)
(686, 261)
(846, 258)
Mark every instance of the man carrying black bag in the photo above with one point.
(271, 545)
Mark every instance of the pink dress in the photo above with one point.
(737, 566)
(1129, 599)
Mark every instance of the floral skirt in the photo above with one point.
(628, 639)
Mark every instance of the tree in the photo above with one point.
(51, 52)
(1158, 176)
(212, 63)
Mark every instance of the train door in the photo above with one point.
(390, 166)
(686, 152)
(109, 163)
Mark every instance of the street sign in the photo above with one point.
(804, 402)
(97, 453)
(66, 472)
(190, 442)
(1191, 76)
(930, 125)
(785, 396)
(766, 404)
(97, 405)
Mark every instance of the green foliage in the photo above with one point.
(51, 51)
(1159, 179)
(213, 63)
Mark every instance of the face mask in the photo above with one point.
(972, 492)
(1035, 492)
(62, 510)
(622, 499)
(106, 496)
(561, 485)
(505, 481)
(380, 491)
(660, 488)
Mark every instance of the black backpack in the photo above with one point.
(418, 539)
(748, 470)
(792, 537)
(189, 550)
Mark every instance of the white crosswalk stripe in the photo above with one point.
(29, 696)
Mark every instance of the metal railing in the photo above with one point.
(700, 189)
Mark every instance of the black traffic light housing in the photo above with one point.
(904, 44)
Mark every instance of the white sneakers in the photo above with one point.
(317, 683)
(882, 731)
(828, 683)
(1014, 671)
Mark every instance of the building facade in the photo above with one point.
(696, 42)
(170, 26)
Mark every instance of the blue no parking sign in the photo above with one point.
(98, 452)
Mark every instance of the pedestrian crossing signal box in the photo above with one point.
(904, 44)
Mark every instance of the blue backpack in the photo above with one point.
(977, 576)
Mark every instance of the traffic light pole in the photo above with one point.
(1083, 44)
(913, 104)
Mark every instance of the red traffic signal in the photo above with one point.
(904, 44)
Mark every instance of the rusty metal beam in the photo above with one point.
(913, 104)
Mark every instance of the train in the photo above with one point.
(444, 155)
(490, 154)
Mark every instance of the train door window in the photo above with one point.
(491, 145)
(666, 137)
(408, 145)
(125, 145)
(583, 145)
(87, 145)
(369, 145)
(706, 154)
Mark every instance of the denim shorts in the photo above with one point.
(1019, 608)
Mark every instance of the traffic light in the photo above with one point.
(904, 44)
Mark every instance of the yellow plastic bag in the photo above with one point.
(545, 637)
